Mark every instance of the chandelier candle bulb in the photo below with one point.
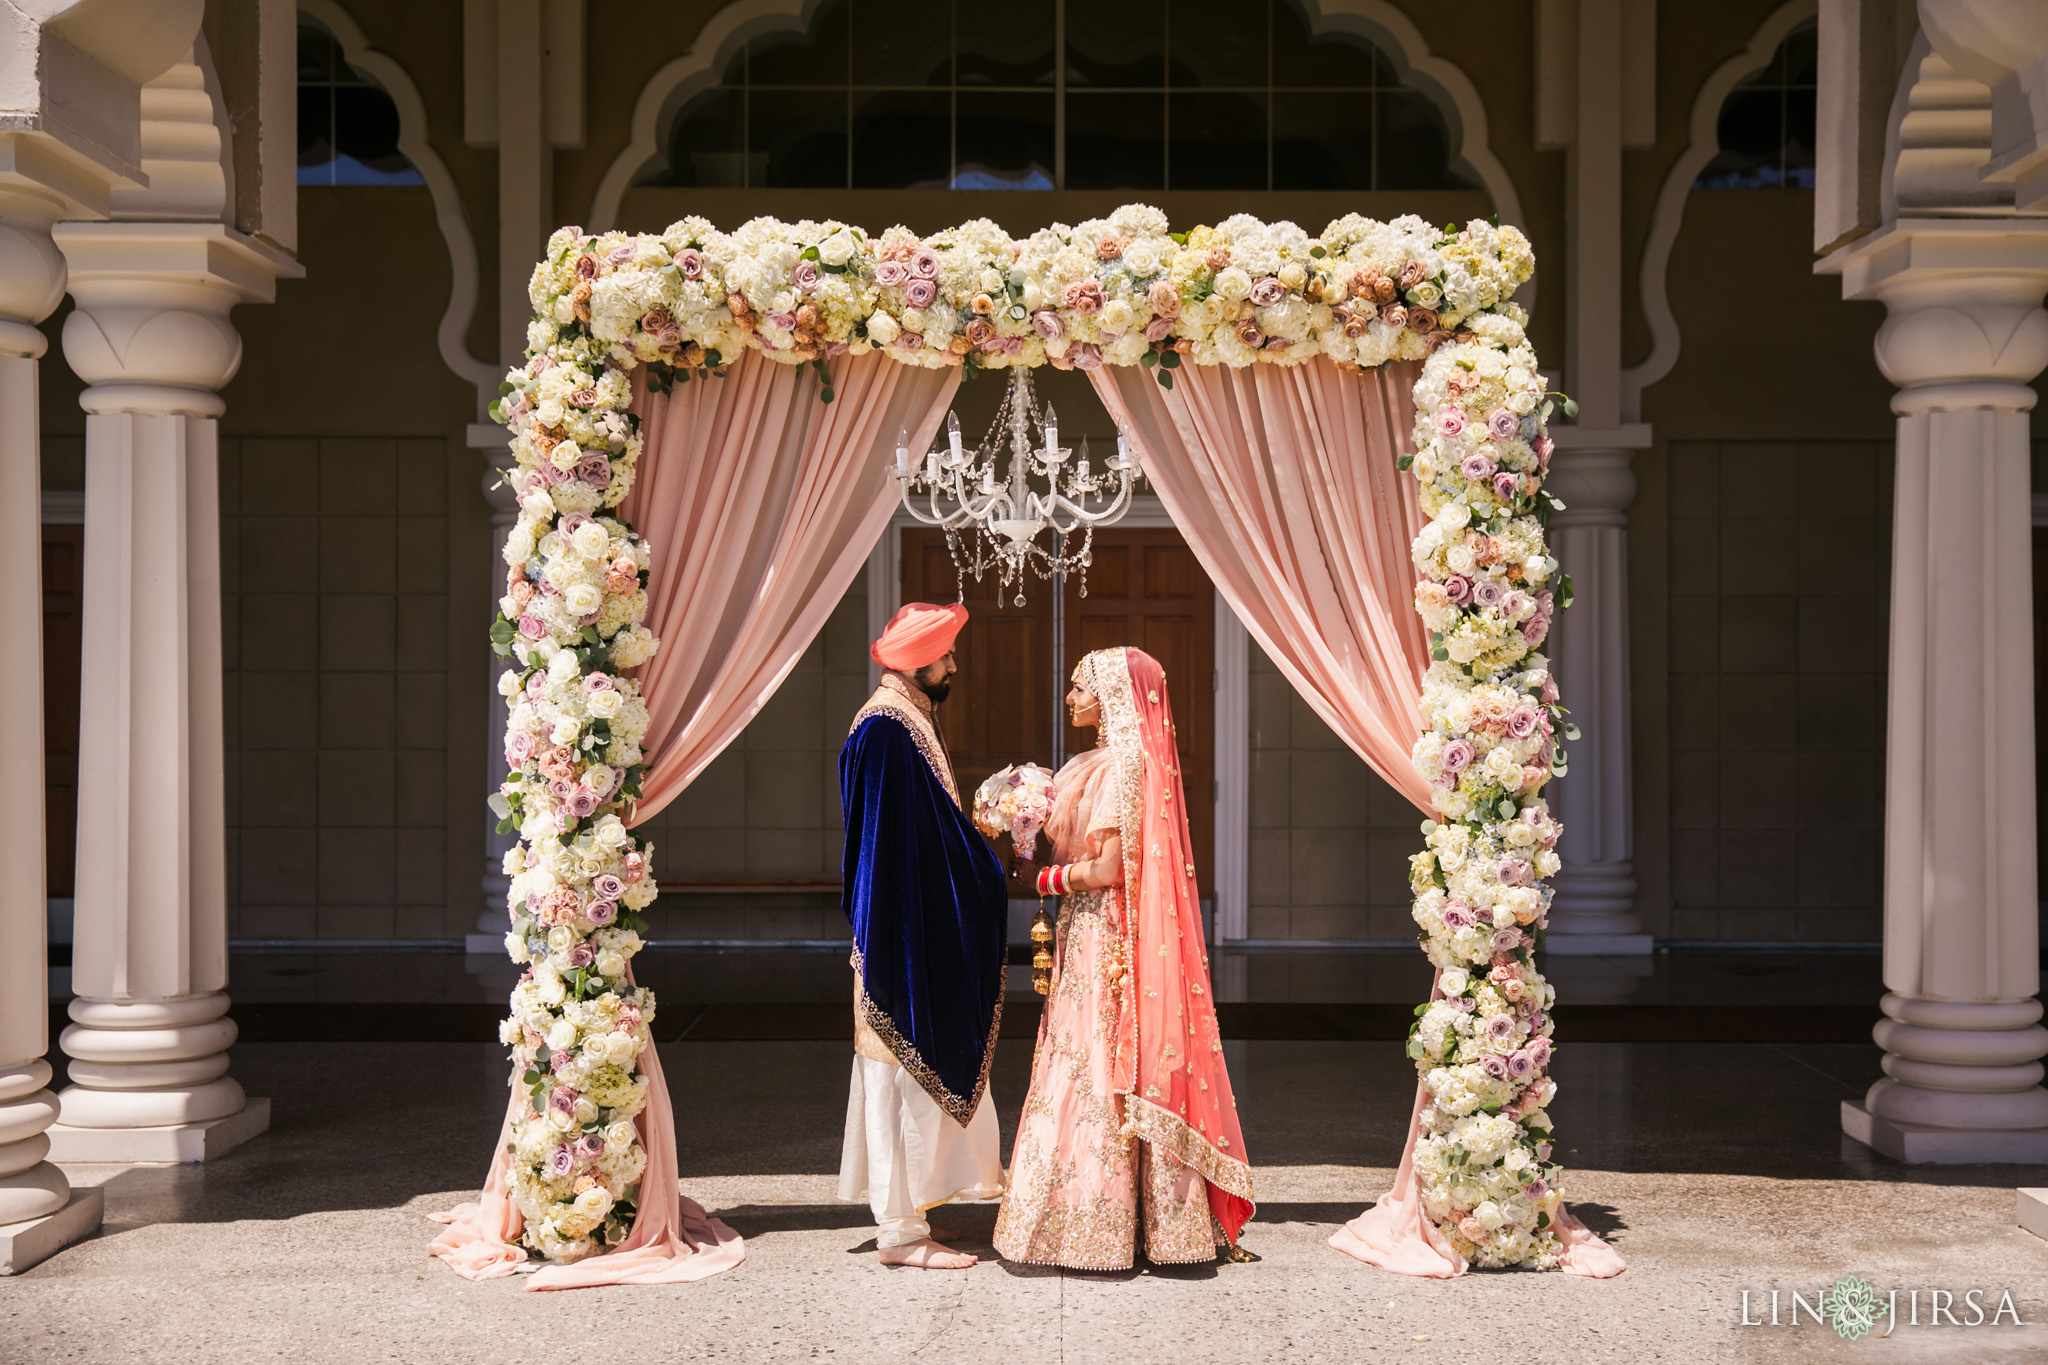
(959, 457)
(903, 454)
(1053, 454)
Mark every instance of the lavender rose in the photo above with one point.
(691, 262)
(1494, 1066)
(602, 912)
(1506, 940)
(1500, 1027)
(1522, 723)
(561, 1161)
(924, 263)
(891, 274)
(1458, 755)
(1520, 1065)
(1458, 915)
(1502, 425)
(1048, 324)
(590, 1146)
(1506, 485)
(920, 293)
(1476, 467)
(1459, 589)
(1486, 592)
(563, 1098)
(594, 468)
(805, 276)
(1267, 292)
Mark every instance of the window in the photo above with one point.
(348, 126)
(1157, 94)
(1767, 123)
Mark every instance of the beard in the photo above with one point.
(936, 691)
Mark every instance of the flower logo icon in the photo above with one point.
(1851, 1307)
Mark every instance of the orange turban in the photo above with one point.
(919, 634)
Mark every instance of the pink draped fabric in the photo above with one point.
(672, 1240)
(1283, 481)
(760, 503)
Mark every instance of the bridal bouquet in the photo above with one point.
(1017, 802)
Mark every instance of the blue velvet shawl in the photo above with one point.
(924, 892)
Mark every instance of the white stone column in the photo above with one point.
(150, 1032)
(492, 921)
(1964, 336)
(39, 1212)
(1593, 913)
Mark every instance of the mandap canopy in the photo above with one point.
(735, 395)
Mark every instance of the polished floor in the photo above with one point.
(1715, 1168)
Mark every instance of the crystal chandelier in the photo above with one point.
(997, 523)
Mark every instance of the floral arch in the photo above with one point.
(1117, 291)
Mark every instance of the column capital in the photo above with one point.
(151, 328)
(1590, 473)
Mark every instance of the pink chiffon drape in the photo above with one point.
(760, 503)
(1282, 479)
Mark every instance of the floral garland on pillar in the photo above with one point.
(1119, 290)
(1488, 589)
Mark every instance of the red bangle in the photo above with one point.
(1059, 878)
(1044, 881)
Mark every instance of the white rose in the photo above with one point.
(582, 599)
(611, 832)
(515, 947)
(514, 862)
(565, 730)
(586, 1112)
(1292, 275)
(604, 705)
(1454, 981)
(508, 684)
(1233, 283)
(882, 329)
(590, 540)
(610, 963)
(1142, 259)
(518, 545)
(562, 1035)
(1116, 316)
(620, 1134)
(836, 249)
(561, 668)
(1489, 1215)
(1426, 294)
(561, 938)
(564, 456)
(560, 1121)
(551, 990)
(1503, 917)
(913, 319)
(594, 1202)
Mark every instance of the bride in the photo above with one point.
(1129, 1123)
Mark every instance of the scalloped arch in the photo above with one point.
(1669, 214)
(1378, 21)
(451, 336)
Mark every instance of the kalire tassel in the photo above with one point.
(1041, 950)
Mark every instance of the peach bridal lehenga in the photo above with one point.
(1129, 1129)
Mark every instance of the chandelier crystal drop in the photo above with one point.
(1000, 523)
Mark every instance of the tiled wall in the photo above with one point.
(1779, 560)
(337, 641)
(768, 807)
(1329, 840)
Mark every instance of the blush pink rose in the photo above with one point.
(920, 293)
(1268, 291)
(890, 274)
(1161, 299)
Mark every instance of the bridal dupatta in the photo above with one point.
(1168, 1054)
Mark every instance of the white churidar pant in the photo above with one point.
(905, 1156)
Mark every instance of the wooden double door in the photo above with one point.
(1145, 589)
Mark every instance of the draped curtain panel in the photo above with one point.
(1283, 480)
(761, 504)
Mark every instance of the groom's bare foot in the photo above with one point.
(925, 1254)
(940, 1234)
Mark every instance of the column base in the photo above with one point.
(1599, 945)
(2033, 1212)
(1922, 1144)
(38, 1239)
(168, 1145)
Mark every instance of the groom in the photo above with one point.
(926, 897)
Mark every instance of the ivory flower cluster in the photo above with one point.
(1120, 290)
(570, 622)
(1487, 587)
(1016, 801)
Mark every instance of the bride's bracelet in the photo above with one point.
(1052, 881)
